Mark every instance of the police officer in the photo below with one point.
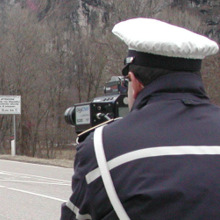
(161, 161)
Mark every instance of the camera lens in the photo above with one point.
(69, 116)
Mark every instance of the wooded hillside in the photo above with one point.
(57, 53)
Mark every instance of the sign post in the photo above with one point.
(13, 142)
(11, 105)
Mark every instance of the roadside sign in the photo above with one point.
(10, 105)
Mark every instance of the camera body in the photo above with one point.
(113, 104)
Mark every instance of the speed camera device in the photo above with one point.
(112, 105)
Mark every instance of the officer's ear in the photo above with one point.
(137, 86)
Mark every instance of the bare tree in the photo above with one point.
(53, 60)
(25, 63)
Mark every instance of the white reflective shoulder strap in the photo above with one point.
(106, 177)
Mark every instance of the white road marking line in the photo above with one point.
(3, 173)
(25, 181)
(35, 194)
(30, 175)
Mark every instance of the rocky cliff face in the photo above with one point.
(97, 12)
(93, 13)
(210, 12)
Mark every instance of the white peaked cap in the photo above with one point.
(160, 38)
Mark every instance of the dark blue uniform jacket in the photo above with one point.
(164, 157)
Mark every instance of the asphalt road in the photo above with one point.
(32, 192)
